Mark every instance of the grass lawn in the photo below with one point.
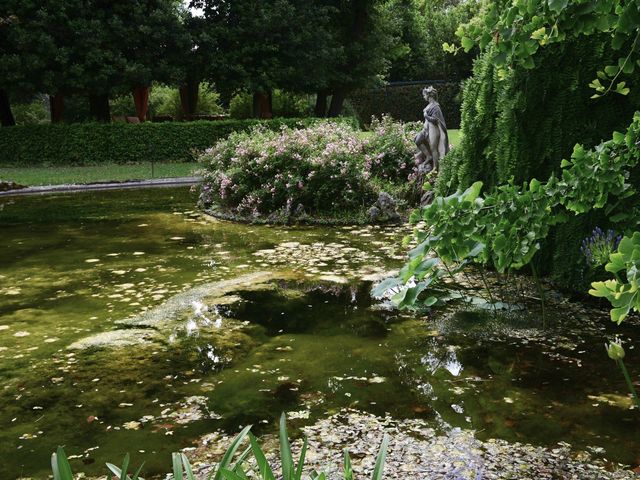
(95, 173)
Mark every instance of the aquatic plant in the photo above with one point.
(225, 470)
(597, 247)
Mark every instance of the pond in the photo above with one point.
(130, 323)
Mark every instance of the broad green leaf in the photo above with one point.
(62, 467)
(557, 5)
(471, 193)
(619, 314)
(467, 44)
(539, 33)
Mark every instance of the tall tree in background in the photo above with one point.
(24, 48)
(96, 48)
(425, 26)
(367, 32)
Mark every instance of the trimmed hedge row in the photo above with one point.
(95, 143)
(404, 102)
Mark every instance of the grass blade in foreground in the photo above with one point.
(303, 453)
(228, 456)
(382, 455)
(263, 465)
(348, 471)
(285, 450)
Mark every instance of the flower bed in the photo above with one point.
(326, 169)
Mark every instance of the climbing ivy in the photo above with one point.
(519, 28)
(504, 228)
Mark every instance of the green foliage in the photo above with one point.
(164, 100)
(505, 227)
(521, 123)
(391, 149)
(34, 112)
(285, 104)
(547, 22)
(225, 470)
(327, 168)
(405, 102)
(91, 144)
(623, 292)
(425, 26)
(88, 46)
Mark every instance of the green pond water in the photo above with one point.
(223, 325)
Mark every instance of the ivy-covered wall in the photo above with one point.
(523, 125)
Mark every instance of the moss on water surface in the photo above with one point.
(230, 324)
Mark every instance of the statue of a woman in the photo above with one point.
(433, 140)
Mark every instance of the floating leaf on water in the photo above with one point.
(21, 333)
(376, 380)
(133, 425)
(92, 260)
(4, 327)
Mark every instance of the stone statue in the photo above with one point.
(433, 140)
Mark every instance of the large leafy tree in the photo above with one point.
(367, 31)
(262, 45)
(24, 48)
(425, 26)
(96, 48)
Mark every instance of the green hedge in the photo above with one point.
(404, 102)
(93, 143)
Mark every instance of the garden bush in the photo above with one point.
(328, 168)
(92, 143)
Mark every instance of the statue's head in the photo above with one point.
(430, 93)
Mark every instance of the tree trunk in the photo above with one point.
(189, 98)
(262, 105)
(141, 100)
(99, 108)
(321, 104)
(6, 115)
(337, 100)
(56, 107)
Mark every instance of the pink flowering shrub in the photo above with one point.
(391, 149)
(326, 168)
